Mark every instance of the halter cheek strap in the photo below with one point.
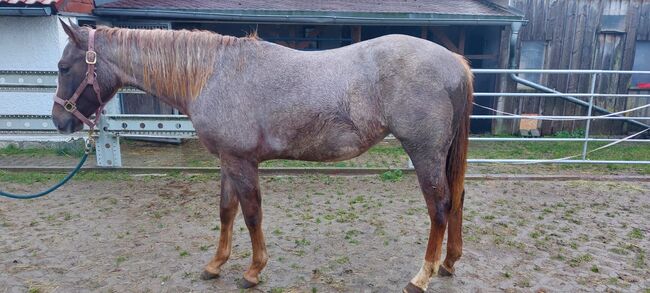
(70, 105)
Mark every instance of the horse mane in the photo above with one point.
(175, 63)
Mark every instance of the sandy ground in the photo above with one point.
(325, 234)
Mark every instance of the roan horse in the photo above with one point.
(252, 101)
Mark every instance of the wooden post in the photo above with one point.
(442, 37)
(424, 32)
(292, 37)
(356, 34)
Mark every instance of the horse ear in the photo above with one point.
(72, 31)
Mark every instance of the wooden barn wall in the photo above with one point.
(575, 39)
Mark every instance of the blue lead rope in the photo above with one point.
(56, 186)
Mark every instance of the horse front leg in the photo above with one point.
(245, 180)
(227, 212)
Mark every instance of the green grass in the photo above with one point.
(383, 155)
(392, 175)
(595, 269)
(501, 150)
(387, 150)
(555, 150)
(305, 164)
(636, 233)
(302, 242)
(577, 261)
(71, 151)
(342, 260)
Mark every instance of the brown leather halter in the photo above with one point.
(70, 105)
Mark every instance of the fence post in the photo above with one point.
(592, 90)
(107, 148)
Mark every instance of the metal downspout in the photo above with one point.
(516, 26)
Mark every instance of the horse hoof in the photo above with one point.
(208, 275)
(444, 272)
(245, 284)
(410, 288)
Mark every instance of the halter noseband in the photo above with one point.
(70, 105)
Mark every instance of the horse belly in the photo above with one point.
(337, 146)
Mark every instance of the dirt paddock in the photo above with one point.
(324, 234)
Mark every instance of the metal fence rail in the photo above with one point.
(113, 125)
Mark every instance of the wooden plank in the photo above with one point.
(617, 104)
(631, 22)
(643, 11)
(504, 84)
(588, 48)
(573, 32)
(461, 42)
(444, 39)
(602, 45)
(555, 48)
(482, 56)
(552, 17)
(355, 33)
(538, 33)
(424, 32)
(526, 7)
(635, 21)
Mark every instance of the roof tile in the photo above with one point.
(454, 7)
(30, 2)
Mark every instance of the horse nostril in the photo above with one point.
(69, 127)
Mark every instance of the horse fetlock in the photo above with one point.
(263, 260)
(421, 280)
(453, 255)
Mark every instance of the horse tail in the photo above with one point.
(457, 156)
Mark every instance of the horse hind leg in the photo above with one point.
(454, 241)
(430, 169)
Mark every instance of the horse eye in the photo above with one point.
(64, 69)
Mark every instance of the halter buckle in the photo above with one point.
(70, 107)
(91, 57)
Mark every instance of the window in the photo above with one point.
(532, 57)
(641, 63)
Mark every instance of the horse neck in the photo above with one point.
(134, 72)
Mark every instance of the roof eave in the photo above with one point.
(25, 11)
(313, 17)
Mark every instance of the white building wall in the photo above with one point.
(29, 43)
